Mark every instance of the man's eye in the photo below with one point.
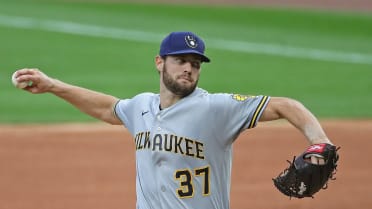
(196, 64)
(180, 61)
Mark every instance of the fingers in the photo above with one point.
(39, 82)
(26, 71)
(317, 160)
(26, 74)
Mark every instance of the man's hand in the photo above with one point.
(41, 83)
(309, 172)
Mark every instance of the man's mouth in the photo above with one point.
(185, 77)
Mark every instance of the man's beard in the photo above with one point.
(175, 87)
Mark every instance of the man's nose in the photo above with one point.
(187, 67)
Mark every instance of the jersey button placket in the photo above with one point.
(162, 188)
(158, 122)
(158, 129)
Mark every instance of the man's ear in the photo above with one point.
(159, 63)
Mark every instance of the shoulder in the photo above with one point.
(145, 95)
(199, 92)
(139, 99)
(142, 97)
(213, 97)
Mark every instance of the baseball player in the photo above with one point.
(183, 135)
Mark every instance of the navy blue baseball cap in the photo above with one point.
(183, 43)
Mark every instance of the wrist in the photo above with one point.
(320, 141)
(57, 87)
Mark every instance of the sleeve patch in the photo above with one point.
(240, 97)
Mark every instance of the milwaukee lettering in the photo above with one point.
(170, 143)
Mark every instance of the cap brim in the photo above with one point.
(204, 58)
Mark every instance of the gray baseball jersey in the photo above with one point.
(184, 152)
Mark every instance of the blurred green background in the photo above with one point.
(321, 58)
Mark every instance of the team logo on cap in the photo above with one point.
(191, 41)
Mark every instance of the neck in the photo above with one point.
(167, 98)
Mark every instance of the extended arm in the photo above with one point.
(95, 104)
(298, 115)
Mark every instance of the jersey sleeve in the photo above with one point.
(129, 110)
(235, 113)
(258, 105)
(119, 110)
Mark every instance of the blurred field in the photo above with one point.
(323, 59)
(92, 166)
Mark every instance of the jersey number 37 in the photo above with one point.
(185, 178)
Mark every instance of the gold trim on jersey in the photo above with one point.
(186, 185)
(170, 143)
(185, 178)
(257, 112)
(204, 172)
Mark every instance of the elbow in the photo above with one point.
(288, 105)
(107, 116)
(292, 104)
(112, 120)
